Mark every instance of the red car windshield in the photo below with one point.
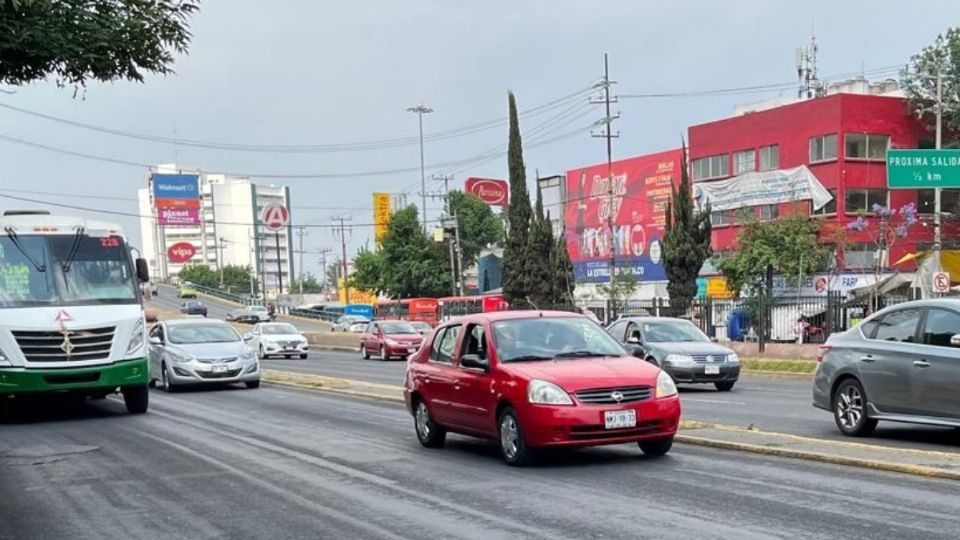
(547, 338)
(398, 328)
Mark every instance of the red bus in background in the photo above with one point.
(458, 306)
(408, 309)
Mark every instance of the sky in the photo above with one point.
(327, 73)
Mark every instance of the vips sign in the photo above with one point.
(493, 192)
(181, 252)
(642, 188)
(176, 198)
(381, 215)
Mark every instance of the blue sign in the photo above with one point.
(701, 287)
(642, 268)
(176, 186)
(362, 310)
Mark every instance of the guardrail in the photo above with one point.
(314, 314)
(244, 300)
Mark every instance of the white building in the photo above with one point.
(230, 232)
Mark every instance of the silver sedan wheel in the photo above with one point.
(423, 421)
(509, 436)
(850, 407)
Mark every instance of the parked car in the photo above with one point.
(189, 352)
(532, 379)
(421, 327)
(277, 339)
(351, 323)
(680, 348)
(193, 307)
(389, 339)
(186, 291)
(900, 365)
(249, 314)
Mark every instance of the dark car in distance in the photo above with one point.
(193, 308)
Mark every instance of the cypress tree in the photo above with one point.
(539, 258)
(515, 277)
(686, 242)
(563, 282)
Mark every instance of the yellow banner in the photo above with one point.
(356, 296)
(717, 288)
(381, 215)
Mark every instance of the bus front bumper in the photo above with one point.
(131, 372)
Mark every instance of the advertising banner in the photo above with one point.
(181, 252)
(758, 188)
(381, 215)
(493, 192)
(178, 217)
(642, 188)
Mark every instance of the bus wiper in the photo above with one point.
(74, 248)
(15, 240)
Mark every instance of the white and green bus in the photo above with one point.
(71, 314)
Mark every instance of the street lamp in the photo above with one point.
(421, 109)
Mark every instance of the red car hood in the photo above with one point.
(578, 374)
(404, 337)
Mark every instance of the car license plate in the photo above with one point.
(711, 370)
(220, 369)
(288, 348)
(411, 350)
(620, 419)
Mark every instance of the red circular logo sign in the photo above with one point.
(492, 192)
(181, 252)
(275, 217)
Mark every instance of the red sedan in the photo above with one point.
(389, 339)
(532, 379)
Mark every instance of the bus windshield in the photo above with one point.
(55, 270)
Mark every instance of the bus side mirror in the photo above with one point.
(143, 271)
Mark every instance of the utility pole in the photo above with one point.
(937, 214)
(608, 134)
(301, 232)
(221, 244)
(341, 231)
(323, 266)
(422, 110)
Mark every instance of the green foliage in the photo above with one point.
(479, 226)
(563, 273)
(619, 289)
(368, 272)
(80, 40)
(782, 244)
(311, 285)
(540, 270)
(412, 264)
(516, 283)
(236, 278)
(920, 81)
(686, 242)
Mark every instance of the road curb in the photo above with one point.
(832, 459)
(332, 390)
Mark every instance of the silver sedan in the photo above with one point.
(190, 351)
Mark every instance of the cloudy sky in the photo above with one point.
(326, 73)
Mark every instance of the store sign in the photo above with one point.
(176, 198)
(492, 192)
(178, 217)
(717, 288)
(759, 188)
(181, 252)
(923, 169)
(381, 215)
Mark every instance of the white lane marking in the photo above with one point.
(701, 400)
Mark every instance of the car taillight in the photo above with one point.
(821, 352)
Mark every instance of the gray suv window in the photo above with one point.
(899, 326)
(617, 330)
(940, 326)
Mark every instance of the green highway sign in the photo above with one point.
(923, 169)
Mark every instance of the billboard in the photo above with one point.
(493, 192)
(181, 252)
(381, 215)
(176, 198)
(642, 187)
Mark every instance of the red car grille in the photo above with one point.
(607, 396)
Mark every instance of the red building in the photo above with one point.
(842, 139)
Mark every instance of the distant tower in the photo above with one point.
(806, 62)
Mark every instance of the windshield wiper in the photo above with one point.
(74, 248)
(529, 358)
(15, 240)
(580, 354)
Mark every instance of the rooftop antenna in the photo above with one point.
(805, 59)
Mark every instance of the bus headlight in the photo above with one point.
(136, 338)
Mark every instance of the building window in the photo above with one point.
(864, 146)
(744, 161)
(823, 148)
(862, 200)
(770, 157)
(769, 212)
(860, 255)
(711, 167)
(830, 207)
(949, 201)
(721, 217)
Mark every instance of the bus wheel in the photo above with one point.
(136, 398)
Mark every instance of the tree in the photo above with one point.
(540, 270)
(620, 288)
(686, 242)
(236, 278)
(368, 272)
(891, 225)
(412, 264)
(515, 279)
(334, 272)
(790, 245)
(479, 226)
(919, 82)
(199, 274)
(563, 273)
(311, 285)
(80, 40)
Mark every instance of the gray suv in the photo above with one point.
(679, 348)
(900, 365)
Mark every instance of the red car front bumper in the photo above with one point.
(583, 425)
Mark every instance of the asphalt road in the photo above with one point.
(282, 463)
(771, 404)
(167, 298)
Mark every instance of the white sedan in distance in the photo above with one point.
(277, 339)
